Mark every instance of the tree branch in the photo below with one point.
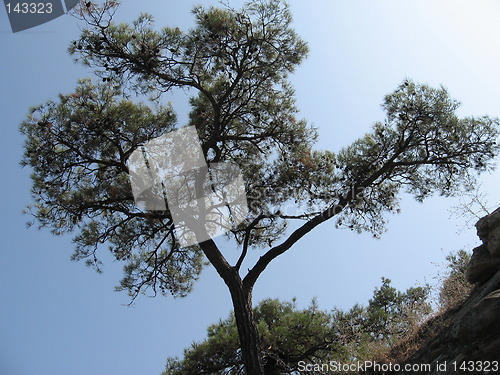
(253, 274)
(221, 265)
(248, 230)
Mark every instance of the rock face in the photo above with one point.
(471, 331)
(488, 230)
(485, 260)
(482, 266)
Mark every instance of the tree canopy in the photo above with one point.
(291, 336)
(234, 65)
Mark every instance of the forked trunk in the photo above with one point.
(241, 296)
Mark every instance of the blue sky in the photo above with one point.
(59, 317)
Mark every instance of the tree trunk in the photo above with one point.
(247, 331)
(241, 296)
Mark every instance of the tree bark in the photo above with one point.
(247, 330)
(241, 296)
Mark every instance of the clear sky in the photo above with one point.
(58, 317)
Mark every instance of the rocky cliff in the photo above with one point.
(469, 333)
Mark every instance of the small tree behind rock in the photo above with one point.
(455, 287)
